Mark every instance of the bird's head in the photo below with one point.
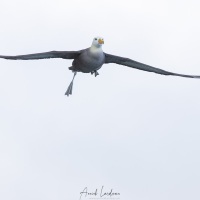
(98, 42)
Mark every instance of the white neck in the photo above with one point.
(96, 48)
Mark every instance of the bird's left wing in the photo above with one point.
(45, 55)
(137, 65)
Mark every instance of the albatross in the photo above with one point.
(90, 60)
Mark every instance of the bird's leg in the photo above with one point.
(95, 73)
(69, 89)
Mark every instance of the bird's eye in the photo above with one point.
(95, 38)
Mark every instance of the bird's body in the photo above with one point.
(91, 59)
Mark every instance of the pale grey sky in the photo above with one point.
(135, 132)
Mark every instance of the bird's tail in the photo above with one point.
(70, 87)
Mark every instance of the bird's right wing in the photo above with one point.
(46, 55)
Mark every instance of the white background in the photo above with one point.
(133, 131)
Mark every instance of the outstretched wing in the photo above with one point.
(137, 65)
(46, 55)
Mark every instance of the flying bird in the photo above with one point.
(90, 60)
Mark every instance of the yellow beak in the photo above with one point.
(101, 41)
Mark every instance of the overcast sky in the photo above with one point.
(135, 132)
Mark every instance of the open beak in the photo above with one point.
(101, 41)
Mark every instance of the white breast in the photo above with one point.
(95, 52)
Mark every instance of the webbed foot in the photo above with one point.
(95, 73)
(69, 89)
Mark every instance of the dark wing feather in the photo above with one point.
(137, 65)
(45, 55)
